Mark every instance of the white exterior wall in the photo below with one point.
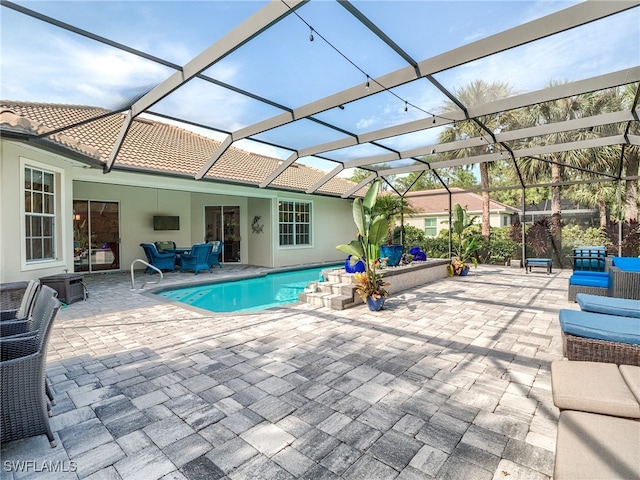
(13, 267)
(140, 196)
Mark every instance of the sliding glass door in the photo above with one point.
(96, 236)
(223, 223)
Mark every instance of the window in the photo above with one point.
(39, 214)
(294, 222)
(431, 227)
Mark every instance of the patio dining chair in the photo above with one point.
(214, 256)
(26, 304)
(162, 261)
(26, 326)
(23, 409)
(197, 259)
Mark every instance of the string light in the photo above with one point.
(369, 79)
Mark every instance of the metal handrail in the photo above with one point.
(138, 260)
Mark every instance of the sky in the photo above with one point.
(42, 63)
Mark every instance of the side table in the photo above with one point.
(70, 286)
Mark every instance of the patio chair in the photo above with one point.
(197, 259)
(162, 261)
(26, 304)
(214, 256)
(23, 409)
(624, 283)
(29, 325)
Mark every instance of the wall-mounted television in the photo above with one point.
(166, 222)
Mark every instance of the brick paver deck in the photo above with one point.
(450, 380)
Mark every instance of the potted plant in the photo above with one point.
(466, 246)
(372, 232)
(389, 206)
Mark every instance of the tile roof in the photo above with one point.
(437, 201)
(153, 146)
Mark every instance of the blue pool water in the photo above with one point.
(272, 290)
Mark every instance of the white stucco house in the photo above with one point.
(432, 208)
(60, 212)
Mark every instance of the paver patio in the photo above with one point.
(450, 380)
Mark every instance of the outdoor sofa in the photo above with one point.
(598, 428)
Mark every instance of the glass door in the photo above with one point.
(223, 223)
(96, 236)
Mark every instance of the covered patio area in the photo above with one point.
(451, 380)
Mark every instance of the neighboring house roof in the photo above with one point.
(430, 202)
(152, 146)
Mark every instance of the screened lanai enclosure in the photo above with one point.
(518, 101)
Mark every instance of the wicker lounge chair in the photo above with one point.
(598, 337)
(23, 409)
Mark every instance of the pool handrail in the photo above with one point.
(138, 260)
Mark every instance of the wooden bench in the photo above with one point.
(537, 262)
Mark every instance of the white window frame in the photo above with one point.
(310, 223)
(425, 226)
(58, 202)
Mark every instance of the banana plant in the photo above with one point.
(372, 232)
(467, 245)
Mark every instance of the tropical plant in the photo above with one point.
(389, 206)
(466, 245)
(477, 92)
(372, 232)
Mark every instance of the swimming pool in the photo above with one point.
(272, 290)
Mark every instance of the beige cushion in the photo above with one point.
(591, 446)
(631, 375)
(592, 387)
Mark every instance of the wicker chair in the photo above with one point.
(214, 256)
(26, 303)
(23, 409)
(197, 259)
(624, 283)
(29, 325)
(162, 261)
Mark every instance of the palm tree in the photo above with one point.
(554, 167)
(631, 158)
(389, 206)
(596, 195)
(477, 92)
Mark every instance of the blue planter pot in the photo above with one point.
(375, 305)
(464, 272)
(393, 253)
(357, 268)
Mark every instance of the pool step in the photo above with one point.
(337, 292)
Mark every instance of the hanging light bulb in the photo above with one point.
(434, 119)
(406, 107)
(311, 34)
(367, 85)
